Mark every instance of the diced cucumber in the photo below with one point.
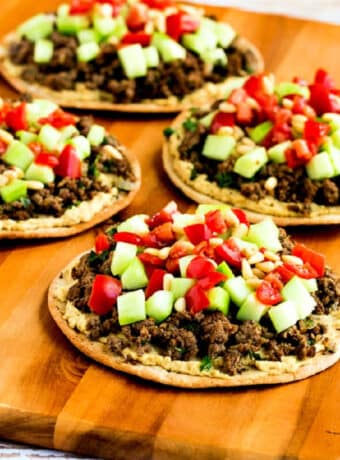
(218, 147)
(215, 56)
(286, 88)
(88, 36)
(265, 234)
(219, 299)
(336, 138)
(70, 25)
(296, 292)
(180, 286)
(119, 30)
(37, 27)
(320, 167)
(259, 132)
(207, 119)
(311, 285)
(224, 268)
(67, 132)
(131, 307)
(39, 108)
(333, 119)
(26, 137)
(123, 254)
(244, 245)
(134, 224)
(225, 34)
(283, 315)
(87, 51)
(13, 191)
(82, 146)
(40, 173)
(204, 208)
(197, 42)
(134, 276)
(159, 305)
(207, 31)
(168, 48)
(96, 135)
(43, 51)
(133, 61)
(334, 155)
(238, 289)
(248, 164)
(183, 264)
(104, 26)
(251, 309)
(18, 154)
(63, 9)
(49, 137)
(151, 56)
(233, 83)
(277, 152)
(183, 220)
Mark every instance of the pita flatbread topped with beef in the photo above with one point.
(201, 300)
(143, 56)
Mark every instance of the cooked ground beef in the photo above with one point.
(328, 293)
(106, 74)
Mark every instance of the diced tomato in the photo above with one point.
(222, 119)
(204, 248)
(81, 6)
(305, 271)
(323, 78)
(254, 85)
(16, 119)
(141, 38)
(36, 147)
(215, 221)
(237, 96)
(150, 240)
(269, 106)
(3, 112)
(292, 159)
(229, 252)
(197, 233)
(172, 265)
(322, 100)
(159, 4)
(241, 215)
(102, 242)
(151, 259)
(181, 23)
(244, 113)
(47, 159)
(3, 147)
(283, 273)
(268, 293)
(315, 259)
(299, 104)
(155, 282)
(59, 119)
(164, 233)
(302, 150)
(314, 132)
(104, 293)
(69, 163)
(196, 299)
(180, 249)
(199, 267)
(137, 16)
(164, 215)
(211, 279)
(128, 237)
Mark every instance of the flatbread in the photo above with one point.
(95, 350)
(82, 98)
(202, 191)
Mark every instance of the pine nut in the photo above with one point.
(6, 137)
(268, 84)
(180, 304)
(240, 231)
(256, 258)
(152, 251)
(227, 107)
(225, 130)
(254, 283)
(167, 280)
(287, 103)
(271, 256)
(247, 141)
(215, 241)
(246, 270)
(112, 151)
(243, 149)
(252, 103)
(265, 266)
(292, 259)
(34, 185)
(270, 183)
(231, 218)
(164, 253)
(15, 173)
(298, 122)
(238, 132)
(258, 273)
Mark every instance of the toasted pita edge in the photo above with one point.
(123, 200)
(95, 350)
(169, 156)
(86, 99)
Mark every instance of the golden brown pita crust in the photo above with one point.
(123, 200)
(256, 211)
(85, 99)
(96, 351)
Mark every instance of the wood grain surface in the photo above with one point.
(52, 396)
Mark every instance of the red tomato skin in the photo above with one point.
(283, 273)
(305, 271)
(101, 243)
(47, 159)
(128, 237)
(314, 132)
(155, 282)
(197, 233)
(199, 267)
(222, 119)
(151, 259)
(137, 17)
(141, 38)
(204, 249)
(164, 215)
(104, 293)
(211, 279)
(268, 293)
(322, 77)
(81, 6)
(196, 299)
(15, 118)
(164, 233)
(180, 23)
(229, 252)
(69, 163)
(3, 147)
(315, 259)
(59, 119)
(241, 215)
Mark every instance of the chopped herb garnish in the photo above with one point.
(309, 323)
(206, 364)
(112, 230)
(25, 201)
(254, 355)
(190, 125)
(93, 169)
(167, 132)
(193, 174)
(95, 259)
(224, 179)
(180, 350)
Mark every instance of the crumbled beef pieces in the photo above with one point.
(99, 327)
(17, 210)
(329, 192)
(192, 140)
(116, 344)
(79, 292)
(328, 293)
(21, 52)
(286, 241)
(215, 329)
(59, 81)
(84, 124)
(232, 362)
(250, 334)
(300, 343)
(254, 191)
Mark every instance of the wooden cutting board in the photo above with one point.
(51, 395)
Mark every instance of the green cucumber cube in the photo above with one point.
(82, 146)
(196, 42)
(67, 132)
(39, 108)
(296, 292)
(225, 34)
(26, 137)
(259, 132)
(283, 315)
(219, 299)
(244, 245)
(277, 152)
(311, 285)
(333, 119)
(49, 137)
(134, 276)
(207, 119)
(168, 48)
(207, 31)
(87, 51)
(286, 88)
(151, 56)
(218, 147)
(133, 61)
(71, 25)
(251, 309)
(120, 29)
(40, 173)
(334, 155)
(131, 307)
(238, 289)
(43, 51)
(88, 36)
(18, 154)
(183, 264)
(336, 138)
(320, 167)
(265, 234)
(183, 220)
(37, 27)
(134, 224)
(248, 164)
(13, 191)
(123, 255)
(180, 286)
(104, 26)
(204, 208)
(159, 305)
(96, 135)
(215, 56)
(224, 268)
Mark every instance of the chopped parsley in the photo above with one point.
(190, 125)
(95, 259)
(206, 364)
(193, 174)
(112, 230)
(167, 132)
(93, 170)
(25, 201)
(224, 179)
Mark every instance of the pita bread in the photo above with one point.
(83, 98)
(202, 191)
(270, 372)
